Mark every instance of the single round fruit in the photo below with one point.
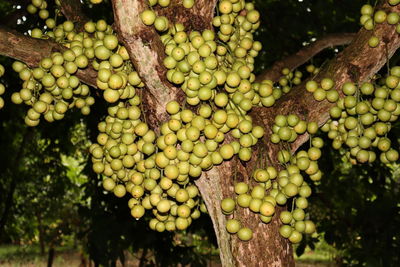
(233, 226)
(245, 234)
(228, 205)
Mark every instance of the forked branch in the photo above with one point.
(356, 63)
(147, 53)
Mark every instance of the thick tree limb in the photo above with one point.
(305, 54)
(30, 51)
(356, 63)
(24, 48)
(73, 11)
(147, 51)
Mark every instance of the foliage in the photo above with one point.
(43, 192)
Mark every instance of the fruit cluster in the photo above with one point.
(361, 120)
(214, 68)
(371, 17)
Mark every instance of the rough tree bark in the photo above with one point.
(147, 53)
(356, 63)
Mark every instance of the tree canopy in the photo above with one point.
(201, 107)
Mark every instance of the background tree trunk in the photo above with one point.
(14, 182)
(41, 237)
(50, 257)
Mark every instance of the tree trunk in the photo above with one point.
(41, 234)
(84, 261)
(8, 205)
(50, 257)
(267, 247)
(357, 63)
(13, 171)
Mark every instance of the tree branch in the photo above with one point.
(147, 53)
(305, 54)
(24, 48)
(30, 51)
(356, 63)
